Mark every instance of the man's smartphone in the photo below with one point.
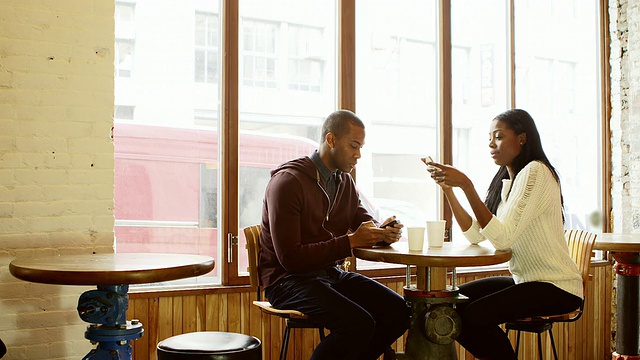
(390, 223)
(384, 226)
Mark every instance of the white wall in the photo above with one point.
(56, 162)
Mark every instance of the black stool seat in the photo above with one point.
(210, 345)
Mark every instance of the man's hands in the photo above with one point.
(392, 233)
(368, 234)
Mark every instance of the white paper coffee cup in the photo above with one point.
(435, 233)
(416, 238)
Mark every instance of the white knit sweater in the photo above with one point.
(529, 222)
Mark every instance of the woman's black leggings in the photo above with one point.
(497, 300)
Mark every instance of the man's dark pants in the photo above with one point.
(364, 316)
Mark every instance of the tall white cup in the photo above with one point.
(435, 233)
(416, 238)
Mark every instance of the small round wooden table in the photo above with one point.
(625, 249)
(105, 308)
(434, 322)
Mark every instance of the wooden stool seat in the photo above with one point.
(293, 319)
(210, 345)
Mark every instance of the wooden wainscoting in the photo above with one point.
(165, 314)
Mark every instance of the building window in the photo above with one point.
(124, 112)
(206, 47)
(125, 39)
(305, 58)
(259, 53)
(124, 58)
(461, 78)
(205, 117)
(565, 87)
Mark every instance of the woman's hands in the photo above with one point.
(447, 176)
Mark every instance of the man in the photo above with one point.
(312, 217)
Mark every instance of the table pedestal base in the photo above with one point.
(106, 310)
(435, 324)
(627, 268)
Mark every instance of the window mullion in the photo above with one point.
(229, 141)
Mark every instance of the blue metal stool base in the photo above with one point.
(106, 310)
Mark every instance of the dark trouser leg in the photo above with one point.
(496, 300)
(364, 317)
(390, 311)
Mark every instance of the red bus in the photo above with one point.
(166, 185)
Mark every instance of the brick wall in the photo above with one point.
(625, 119)
(625, 122)
(56, 161)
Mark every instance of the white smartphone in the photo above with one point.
(428, 159)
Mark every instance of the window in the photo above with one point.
(173, 179)
(125, 39)
(559, 84)
(208, 196)
(480, 82)
(461, 77)
(279, 122)
(124, 58)
(167, 187)
(206, 48)
(398, 51)
(124, 112)
(555, 85)
(396, 97)
(259, 53)
(205, 117)
(305, 58)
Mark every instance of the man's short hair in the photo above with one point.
(338, 122)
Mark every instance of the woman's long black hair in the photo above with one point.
(520, 122)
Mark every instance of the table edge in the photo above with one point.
(108, 277)
(498, 257)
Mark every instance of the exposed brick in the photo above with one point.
(56, 86)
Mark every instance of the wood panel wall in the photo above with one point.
(230, 309)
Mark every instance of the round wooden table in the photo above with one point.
(434, 322)
(625, 249)
(435, 261)
(105, 308)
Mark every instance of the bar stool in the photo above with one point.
(210, 345)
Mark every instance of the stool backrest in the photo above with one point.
(580, 244)
(252, 233)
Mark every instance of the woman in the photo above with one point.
(522, 212)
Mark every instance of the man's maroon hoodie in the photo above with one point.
(299, 232)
